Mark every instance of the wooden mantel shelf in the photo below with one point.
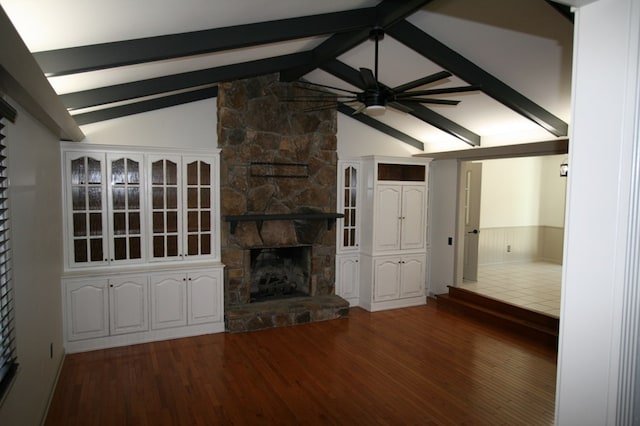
(259, 218)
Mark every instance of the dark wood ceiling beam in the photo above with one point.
(381, 127)
(351, 76)
(145, 106)
(563, 10)
(430, 48)
(388, 13)
(22, 80)
(154, 86)
(128, 52)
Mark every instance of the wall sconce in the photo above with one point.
(564, 168)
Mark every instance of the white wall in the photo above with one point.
(36, 236)
(522, 192)
(192, 125)
(356, 139)
(443, 202)
(510, 192)
(598, 321)
(553, 191)
(522, 210)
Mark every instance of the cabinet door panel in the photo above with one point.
(124, 200)
(87, 309)
(205, 297)
(165, 214)
(348, 276)
(198, 221)
(413, 217)
(86, 208)
(128, 305)
(348, 235)
(168, 301)
(387, 279)
(387, 217)
(412, 281)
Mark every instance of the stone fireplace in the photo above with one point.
(278, 196)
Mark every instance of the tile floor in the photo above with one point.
(534, 286)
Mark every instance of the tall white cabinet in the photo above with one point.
(393, 255)
(142, 245)
(348, 231)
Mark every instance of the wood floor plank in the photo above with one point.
(406, 366)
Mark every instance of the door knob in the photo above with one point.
(475, 231)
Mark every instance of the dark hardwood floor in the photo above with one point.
(407, 366)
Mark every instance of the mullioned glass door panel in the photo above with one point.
(198, 218)
(166, 211)
(88, 222)
(126, 201)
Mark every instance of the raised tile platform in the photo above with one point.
(284, 312)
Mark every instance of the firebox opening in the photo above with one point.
(280, 272)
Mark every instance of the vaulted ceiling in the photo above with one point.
(115, 58)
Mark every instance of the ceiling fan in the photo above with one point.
(375, 96)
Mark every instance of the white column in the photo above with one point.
(598, 329)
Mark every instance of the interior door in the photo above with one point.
(472, 179)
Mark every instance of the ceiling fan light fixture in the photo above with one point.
(375, 109)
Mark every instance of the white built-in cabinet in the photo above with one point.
(142, 245)
(393, 218)
(348, 231)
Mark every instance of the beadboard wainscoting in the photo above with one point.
(520, 243)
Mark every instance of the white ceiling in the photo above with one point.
(526, 44)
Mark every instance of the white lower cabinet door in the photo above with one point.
(168, 300)
(128, 304)
(204, 293)
(386, 285)
(348, 276)
(412, 281)
(87, 310)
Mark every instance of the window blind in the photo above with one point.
(8, 364)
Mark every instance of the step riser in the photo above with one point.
(529, 324)
(548, 338)
(505, 308)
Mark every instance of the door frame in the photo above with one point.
(438, 278)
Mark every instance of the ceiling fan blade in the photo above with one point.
(368, 79)
(422, 81)
(442, 91)
(359, 110)
(322, 107)
(400, 107)
(431, 101)
(302, 86)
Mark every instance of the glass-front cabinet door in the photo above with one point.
(198, 224)
(349, 204)
(166, 211)
(135, 207)
(126, 198)
(86, 201)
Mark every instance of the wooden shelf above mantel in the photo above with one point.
(259, 218)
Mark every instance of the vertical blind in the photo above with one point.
(8, 362)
